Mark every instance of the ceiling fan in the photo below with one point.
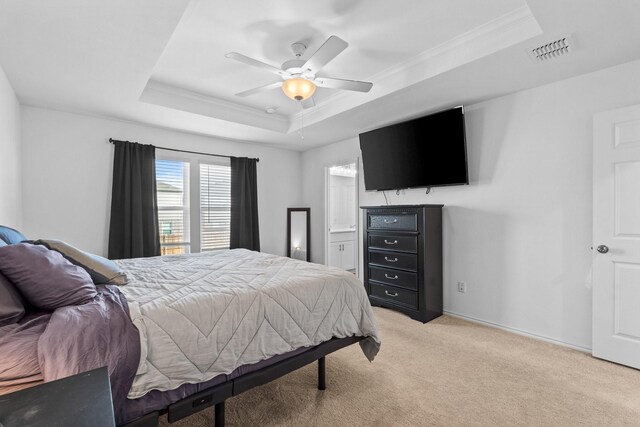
(299, 77)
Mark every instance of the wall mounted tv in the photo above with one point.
(426, 152)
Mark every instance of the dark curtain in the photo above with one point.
(244, 204)
(134, 231)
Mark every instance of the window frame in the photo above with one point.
(187, 233)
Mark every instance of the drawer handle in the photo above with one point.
(386, 221)
(390, 277)
(391, 260)
(390, 294)
(395, 242)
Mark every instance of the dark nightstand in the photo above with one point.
(80, 400)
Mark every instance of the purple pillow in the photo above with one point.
(44, 277)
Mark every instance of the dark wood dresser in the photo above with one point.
(403, 258)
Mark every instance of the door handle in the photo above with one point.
(391, 260)
(395, 242)
(395, 294)
(603, 249)
(386, 221)
(390, 277)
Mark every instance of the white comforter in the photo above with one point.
(202, 315)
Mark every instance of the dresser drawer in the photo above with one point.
(394, 260)
(401, 279)
(392, 221)
(396, 243)
(394, 295)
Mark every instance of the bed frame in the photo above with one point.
(218, 394)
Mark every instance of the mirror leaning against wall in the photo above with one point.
(298, 231)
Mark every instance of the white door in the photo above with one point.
(616, 234)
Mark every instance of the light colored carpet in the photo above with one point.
(448, 372)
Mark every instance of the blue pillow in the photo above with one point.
(2, 243)
(11, 236)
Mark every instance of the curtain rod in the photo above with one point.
(111, 140)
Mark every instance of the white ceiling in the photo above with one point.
(194, 57)
(161, 62)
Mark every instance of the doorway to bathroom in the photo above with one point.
(342, 216)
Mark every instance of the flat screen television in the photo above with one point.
(426, 152)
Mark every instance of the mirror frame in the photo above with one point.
(308, 211)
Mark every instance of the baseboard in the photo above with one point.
(518, 331)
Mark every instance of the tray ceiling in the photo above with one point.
(385, 39)
(161, 62)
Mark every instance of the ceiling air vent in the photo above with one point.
(552, 50)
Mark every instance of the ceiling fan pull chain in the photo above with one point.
(300, 132)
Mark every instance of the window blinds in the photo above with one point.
(215, 206)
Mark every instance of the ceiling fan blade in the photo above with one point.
(329, 50)
(308, 103)
(259, 89)
(255, 63)
(343, 84)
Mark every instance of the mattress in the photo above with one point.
(195, 301)
(204, 315)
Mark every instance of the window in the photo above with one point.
(172, 180)
(200, 222)
(215, 206)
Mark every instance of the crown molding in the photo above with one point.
(504, 31)
(59, 108)
(500, 33)
(185, 100)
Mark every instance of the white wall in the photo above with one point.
(67, 175)
(520, 234)
(10, 200)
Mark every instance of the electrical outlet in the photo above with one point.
(462, 287)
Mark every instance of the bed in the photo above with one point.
(190, 331)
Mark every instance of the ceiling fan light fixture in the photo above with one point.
(298, 88)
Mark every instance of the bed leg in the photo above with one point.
(219, 415)
(322, 374)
